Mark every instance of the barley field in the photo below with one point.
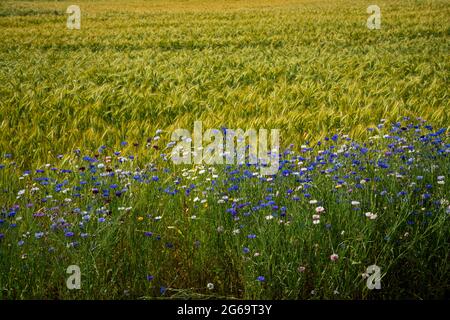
(87, 179)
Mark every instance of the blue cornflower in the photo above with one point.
(261, 278)
(38, 235)
(246, 250)
(69, 234)
(383, 164)
(169, 245)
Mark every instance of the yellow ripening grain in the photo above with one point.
(306, 67)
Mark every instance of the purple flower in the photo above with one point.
(69, 234)
(149, 277)
(246, 250)
(261, 279)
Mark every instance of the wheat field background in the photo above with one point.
(304, 66)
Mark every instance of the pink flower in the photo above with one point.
(301, 269)
(320, 210)
(334, 257)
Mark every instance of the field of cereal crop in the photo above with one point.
(87, 179)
